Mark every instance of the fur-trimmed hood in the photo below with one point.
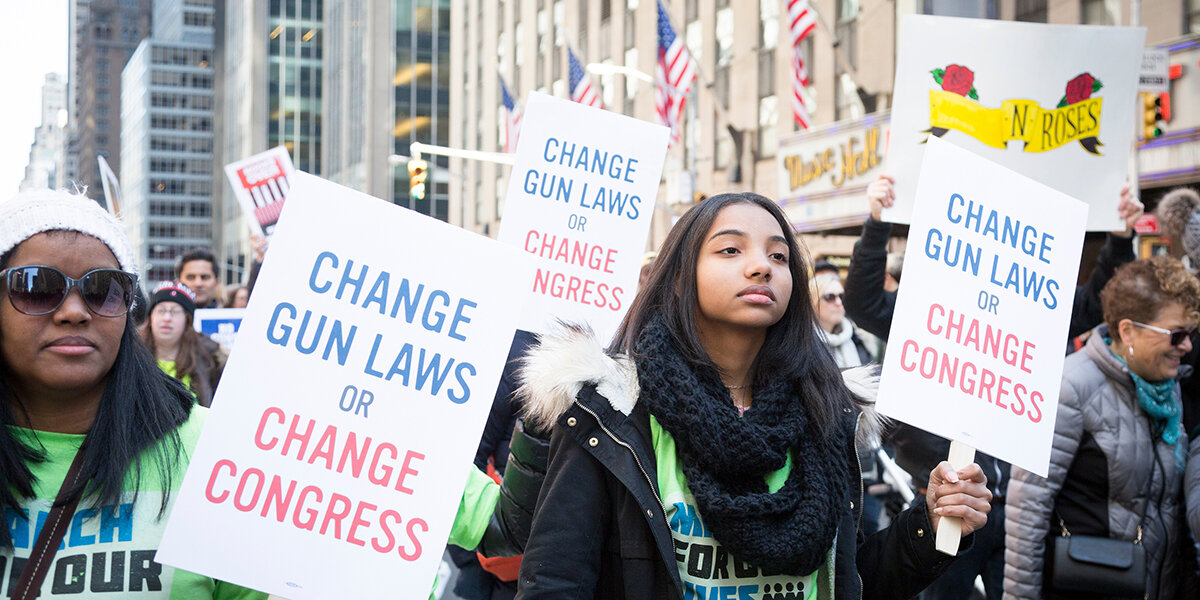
(555, 370)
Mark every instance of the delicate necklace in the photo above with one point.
(736, 387)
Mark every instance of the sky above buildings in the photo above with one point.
(35, 43)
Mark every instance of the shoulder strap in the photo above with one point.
(38, 565)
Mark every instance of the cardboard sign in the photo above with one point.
(580, 198)
(261, 184)
(1055, 103)
(220, 324)
(112, 188)
(976, 348)
(1155, 74)
(340, 439)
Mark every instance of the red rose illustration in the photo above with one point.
(958, 80)
(1080, 88)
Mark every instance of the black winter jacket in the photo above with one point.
(599, 530)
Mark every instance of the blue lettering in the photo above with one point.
(462, 382)
(312, 277)
(950, 208)
(285, 332)
(459, 317)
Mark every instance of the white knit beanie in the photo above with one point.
(30, 213)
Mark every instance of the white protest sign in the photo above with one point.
(1055, 103)
(112, 188)
(1155, 74)
(976, 348)
(335, 456)
(220, 324)
(261, 184)
(581, 197)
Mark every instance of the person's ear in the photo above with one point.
(1125, 328)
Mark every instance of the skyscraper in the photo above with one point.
(47, 147)
(269, 83)
(387, 74)
(104, 36)
(167, 137)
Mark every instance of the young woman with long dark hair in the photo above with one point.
(710, 451)
(80, 393)
(194, 359)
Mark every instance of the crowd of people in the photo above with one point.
(722, 445)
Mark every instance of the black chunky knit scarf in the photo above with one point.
(725, 458)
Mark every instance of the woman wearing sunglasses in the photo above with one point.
(193, 359)
(835, 329)
(95, 437)
(1117, 466)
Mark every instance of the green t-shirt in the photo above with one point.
(168, 367)
(707, 569)
(108, 552)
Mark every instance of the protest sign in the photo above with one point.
(261, 185)
(347, 418)
(581, 197)
(1155, 73)
(975, 353)
(1055, 103)
(220, 324)
(112, 189)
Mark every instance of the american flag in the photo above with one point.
(675, 72)
(512, 126)
(802, 21)
(581, 85)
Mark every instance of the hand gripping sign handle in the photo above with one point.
(949, 531)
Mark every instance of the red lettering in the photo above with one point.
(987, 379)
(1019, 407)
(310, 519)
(359, 521)
(412, 536)
(275, 495)
(931, 355)
(1034, 399)
(904, 353)
(1026, 355)
(1001, 392)
(375, 466)
(929, 321)
(387, 531)
(262, 426)
(237, 497)
(325, 447)
(357, 456)
(335, 515)
(406, 470)
(212, 478)
(295, 435)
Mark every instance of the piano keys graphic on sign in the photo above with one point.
(267, 183)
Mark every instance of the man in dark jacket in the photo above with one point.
(871, 307)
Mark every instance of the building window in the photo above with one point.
(1192, 25)
(1101, 12)
(724, 37)
(1031, 11)
(768, 118)
(631, 85)
(847, 31)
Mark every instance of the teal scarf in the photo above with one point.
(1157, 399)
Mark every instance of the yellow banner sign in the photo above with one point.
(1024, 120)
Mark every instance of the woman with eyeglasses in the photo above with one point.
(1117, 465)
(192, 358)
(95, 438)
(835, 329)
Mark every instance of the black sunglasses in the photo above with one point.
(39, 290)
(1177, 335)
(832, 297)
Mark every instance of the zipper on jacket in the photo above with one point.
(653, 487)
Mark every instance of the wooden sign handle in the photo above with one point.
(949, 531)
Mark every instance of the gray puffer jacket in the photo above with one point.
(1097, 405)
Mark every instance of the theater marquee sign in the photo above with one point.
(823, 173)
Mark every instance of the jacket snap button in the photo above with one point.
(846, 409)
(571, 421)
(650, 514)
(920, 533)
(593, 442)
(852, 505)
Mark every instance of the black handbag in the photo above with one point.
(1102, 566)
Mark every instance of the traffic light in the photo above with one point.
(1151, 116)
(417, 170)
